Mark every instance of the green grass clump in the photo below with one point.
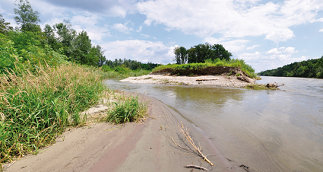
(128, 111)
(179, 68)
(36, 107)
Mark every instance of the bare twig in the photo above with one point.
(196, 167)
(196, 149)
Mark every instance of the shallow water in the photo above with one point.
(267, 130)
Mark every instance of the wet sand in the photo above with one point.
(208, 80)
(145, 146)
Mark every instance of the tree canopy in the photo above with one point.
(201, 52)
(26, 17)
(310, 69)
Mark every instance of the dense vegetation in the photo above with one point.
(310, 68)
(43, 81)
(200, 68)
(201, 52)
(125, 68)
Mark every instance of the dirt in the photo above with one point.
(145, 146)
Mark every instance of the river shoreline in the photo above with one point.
(143, 146)
(204, 80)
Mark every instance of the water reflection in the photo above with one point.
(266, 130)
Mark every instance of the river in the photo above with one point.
(267, 130)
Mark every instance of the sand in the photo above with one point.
(207, 80)
(144, 146)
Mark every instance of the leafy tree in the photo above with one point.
(51, 40)
(180, 55)
(26, 17)
(201, 52)
(4, 26)
(66, 36)
(220, 52)
(81, 48)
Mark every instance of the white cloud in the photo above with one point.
(272, 58)
(232, 18)
(140, 50)
(122, 28)
(233, 46)
(321, 30)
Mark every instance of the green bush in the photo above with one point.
(128, 111)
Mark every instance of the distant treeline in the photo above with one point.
(201, 52)
(131, 64)
(310, 69)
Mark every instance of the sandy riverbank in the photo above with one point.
(143, 146)
(208, 80)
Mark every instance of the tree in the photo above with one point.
(4, 26)
(81, 48)
(66, 36)
(26, 17)
(50, 37)
(220, 52)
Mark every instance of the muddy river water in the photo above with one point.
(267, 130)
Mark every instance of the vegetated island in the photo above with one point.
(204, 64)
(312, 68)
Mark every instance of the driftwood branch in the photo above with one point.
(196, 149)
(196, 167)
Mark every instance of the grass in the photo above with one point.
(36, 107)
(177, 68)
(128, 111)
(122, 72)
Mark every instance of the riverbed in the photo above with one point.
(267, 130)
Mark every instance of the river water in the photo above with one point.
(267, 130)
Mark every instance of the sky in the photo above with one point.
(265, 33)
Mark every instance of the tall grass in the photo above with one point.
(247, 69)
(36, 107)
(128, 111)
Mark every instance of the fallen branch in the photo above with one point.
(196, 149)
(196, 167)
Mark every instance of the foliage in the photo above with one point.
(4, 26)
(201, 52)
(35, 108)
(131, 64)
(310, 68)
(26, 17)
(177, 68)
(128, 111)
(121, 72)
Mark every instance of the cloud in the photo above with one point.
(232, 18)
(140, 50)
(272, 58)
(234, 46)
(321, 30)
(122, 28)
(112, 7)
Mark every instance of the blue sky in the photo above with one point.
(266, 34)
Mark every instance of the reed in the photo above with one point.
(35, 107)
